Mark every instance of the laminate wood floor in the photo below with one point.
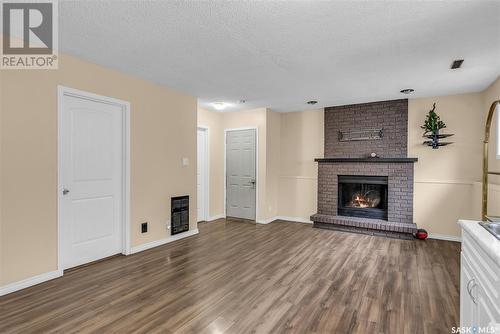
(237, 277)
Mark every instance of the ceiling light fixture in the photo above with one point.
(407, 91)
(312, 102)
(220, 105)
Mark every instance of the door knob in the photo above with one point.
(65, 191)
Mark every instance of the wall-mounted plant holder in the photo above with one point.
(432, 125)
(435, 142)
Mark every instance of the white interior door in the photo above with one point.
(240, 173)
(91, 167)
(202, 174)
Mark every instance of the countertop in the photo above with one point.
(485, 239)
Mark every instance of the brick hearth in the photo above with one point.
(364, 225)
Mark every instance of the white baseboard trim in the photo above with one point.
(265, 221)
(164, 241)
(446, 237)
(26, 283)
(210, 219)
(287, 218)
(295, 219)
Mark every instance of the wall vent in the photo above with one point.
(180, 214)
(457, 64)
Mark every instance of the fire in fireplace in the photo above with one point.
(362, 196)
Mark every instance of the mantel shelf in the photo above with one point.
(380, 160)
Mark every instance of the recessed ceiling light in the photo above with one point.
(456, 64)
(407, 91)
(312, 102)
(220, 105)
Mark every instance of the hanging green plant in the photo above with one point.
(432, 125)
(433, 122)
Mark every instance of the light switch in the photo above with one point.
(185, 162)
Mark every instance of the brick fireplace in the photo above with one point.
(360, 193)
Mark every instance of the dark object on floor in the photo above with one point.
(421, 234)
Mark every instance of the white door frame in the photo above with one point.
(125, 106)
(206, 172)
(256, 168)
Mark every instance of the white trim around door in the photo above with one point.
(125, 107)
(256, 168)
(206, 174)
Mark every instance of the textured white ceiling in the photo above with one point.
(282, 54)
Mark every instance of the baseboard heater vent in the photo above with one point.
(180, 214)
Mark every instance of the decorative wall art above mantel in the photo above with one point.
(362, 134)
(432, 126)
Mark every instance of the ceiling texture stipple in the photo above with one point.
(280, 55)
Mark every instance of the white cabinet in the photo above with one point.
(486, 313)
(467, 306)
(479, 285)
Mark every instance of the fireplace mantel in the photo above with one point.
(364, 160)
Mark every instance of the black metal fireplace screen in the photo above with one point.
(362, 196)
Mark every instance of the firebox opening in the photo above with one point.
(362, 196)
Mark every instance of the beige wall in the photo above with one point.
(302, 138)
(163, 131)
(448, 185)
(273, 158)
(447, 180)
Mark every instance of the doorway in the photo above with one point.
(93, 180)
(202, 174)
(241, 176)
